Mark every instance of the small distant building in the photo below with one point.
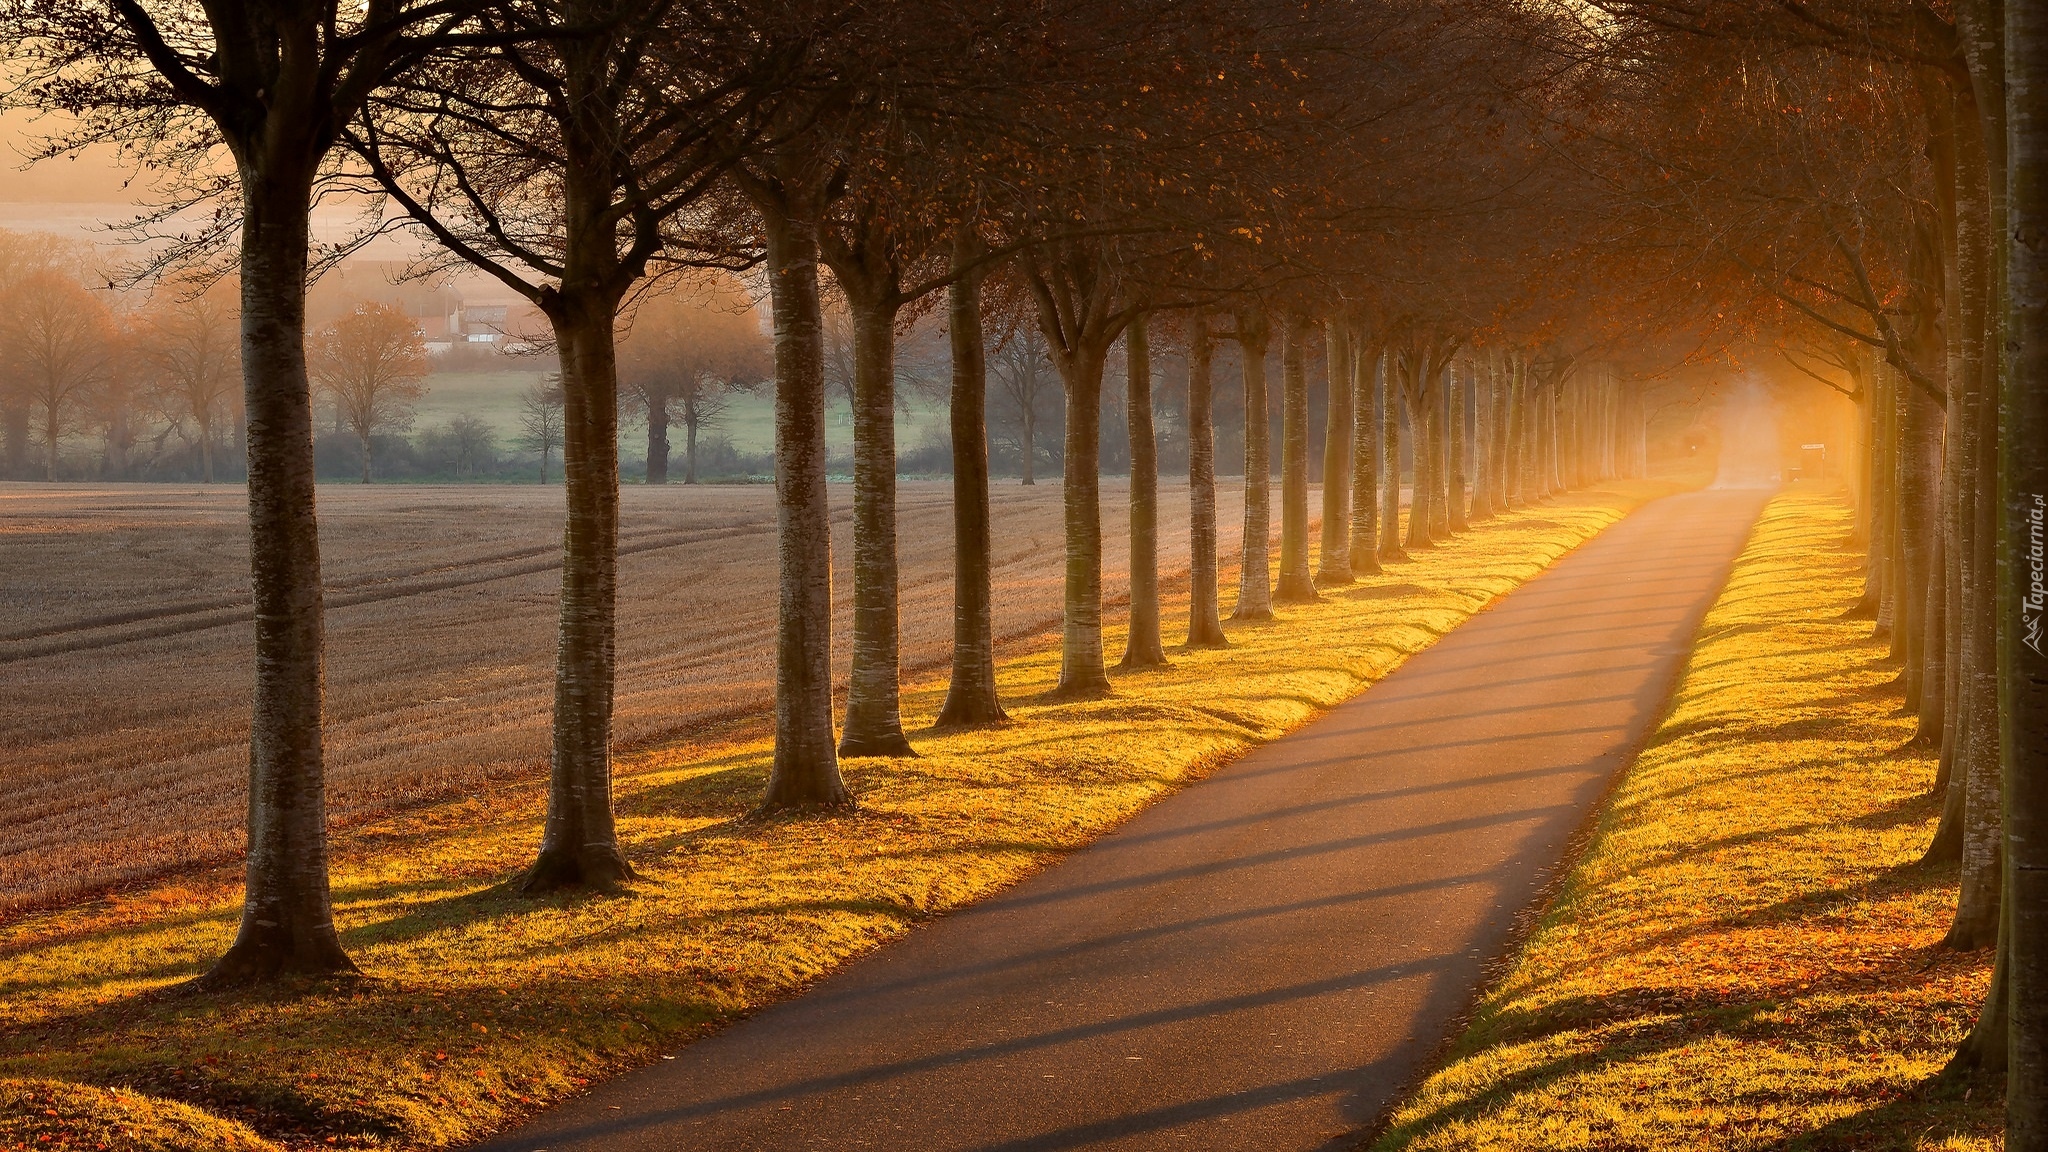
(479, 321)
(481, 324)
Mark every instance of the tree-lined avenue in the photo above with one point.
(1259, 962)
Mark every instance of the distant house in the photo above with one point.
(479, 321)
(479, 324)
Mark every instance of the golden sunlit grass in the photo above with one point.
(477, 1005)
(55, 1114)
(1746, 956)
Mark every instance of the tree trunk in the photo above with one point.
(1934, 642)
(1422, 457)
(1963, 210)
(1254, 578)
(1455, 474)
(1482, 441)
(1390, 508)
(1509, 486)
(1873, 498)
(1334, 564)
(53, 431)
(1918, 471)
(874, 721)
(805, 772)
(364, 439)
(690, 422)
(1951, 576)
(1898, 576)
(657, 437)
(1369, 427)
(1082, 673)
(1885, 522)
(2023, 578)
(1436, 423)
(1205, 624)
(971, 696)
(118, 441)
(1030, 416)
(287, 918)
(1143, 648)
(1977, 753)
(1514, 432)
(1948, 834)
(1297, 584)
(1549, 482)
(579, 843)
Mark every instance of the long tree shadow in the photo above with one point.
(885, 1071)
(1931, 1112)
(1645, 1037)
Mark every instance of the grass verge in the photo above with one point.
(479, 1006)
(1746, 955)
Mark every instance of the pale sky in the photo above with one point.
(78, 196)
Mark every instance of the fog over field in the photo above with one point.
(125, 644)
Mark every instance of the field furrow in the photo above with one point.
(124, 646)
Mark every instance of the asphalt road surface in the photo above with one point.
(1259, 962)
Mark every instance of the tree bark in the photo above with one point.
(805, 772)
(874, 721)
(971, 698)
(2023, 574)
(1081, 312)
(1143, 648)
(1482, 441)
(690, 422)
(1334, 564)
(1503, 414)
(579, 843)
(1369, 427)
(657, 437)
(53, 431)
(1918, 472)
(1548, 482)
(1898, 576)
(1421, 453)
(1439, 455)
(1255, 573)
(1515, 431)
(1082, 672)
(1205, 623)
(1297, 584)
(1884, 530)
(287, 915)
(1030, 418)
(1455, 474)
(1390, 509)
(1934, 693)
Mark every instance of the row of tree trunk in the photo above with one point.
(1928, 391)
(1485, 434)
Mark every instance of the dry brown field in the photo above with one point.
(125, 644)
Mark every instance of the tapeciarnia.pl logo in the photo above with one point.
(2036, 597)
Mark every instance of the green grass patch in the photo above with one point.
(748, 421)
(1746, 956)
(478, 1006)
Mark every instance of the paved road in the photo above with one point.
(1258, 962)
